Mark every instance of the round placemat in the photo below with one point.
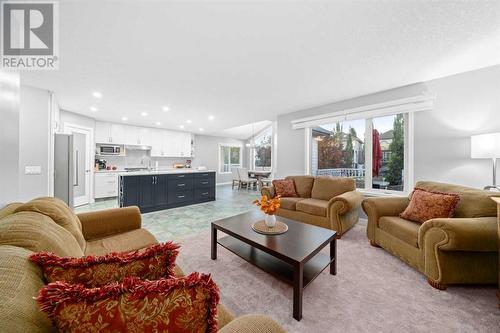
(261, 228)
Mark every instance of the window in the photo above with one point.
(338, 150)
(262, 151)
(229, 157)
(370, 150)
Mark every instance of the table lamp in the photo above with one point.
(487, 146)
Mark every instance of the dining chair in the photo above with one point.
(245, 179)
(236, 178)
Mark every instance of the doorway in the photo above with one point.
(82, 162)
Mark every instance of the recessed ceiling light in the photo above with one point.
(158, 123)
(144, 114)
(165, 108)
(124, 118)
(93, 109)
(211, 117)
(201, 129)
(97, 94)
(181, 126)
(188, 121)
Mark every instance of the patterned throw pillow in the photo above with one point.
(186, 304)
(153, 262)
(285, 187)
(425, 205)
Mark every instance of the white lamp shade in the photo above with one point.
(485, 145)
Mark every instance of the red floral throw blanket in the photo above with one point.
(181, 305)
(151, 263)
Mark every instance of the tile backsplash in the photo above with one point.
(138, 158)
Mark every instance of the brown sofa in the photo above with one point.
(47, 224)
(457, 250)
(328, 202)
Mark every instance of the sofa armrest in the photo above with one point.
(377, 207)
(268, 191)
(345, 202)
(459, 234)
(252, 324)
(110, 222)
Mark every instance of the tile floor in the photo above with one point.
(175, 223)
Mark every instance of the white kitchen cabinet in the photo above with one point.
(118, 133)
(105, 184)
(110, 133)
(131, 135)
(144, 136)
(157, 143)
(102, 132)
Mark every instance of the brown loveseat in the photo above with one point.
(328, 202)
(457, 250)
(47, 224)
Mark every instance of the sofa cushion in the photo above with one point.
(313, 207)
(289, 202)
(20, 281)
(127, 241)
(37, 233)
(152, 263)
(473, 202)
(59, 212)
(327, 187)
(303, 185)
(402, 229)
(285, 187)
(185, 304)
(426, 205)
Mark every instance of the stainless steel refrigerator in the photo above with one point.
(64, 173)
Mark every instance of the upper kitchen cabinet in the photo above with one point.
(144, 135)
(102, 132)
(170, 144)
(110, 133)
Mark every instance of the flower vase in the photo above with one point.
(270, 220)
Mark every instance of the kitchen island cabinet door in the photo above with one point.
(146, 191)
(129, 193)
(160, 190)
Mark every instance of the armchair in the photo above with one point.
(457, 250)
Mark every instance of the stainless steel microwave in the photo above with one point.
(110, 150)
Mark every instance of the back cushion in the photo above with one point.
(9, 209)
(473, 202)
(303, 185)
(327, 187)
(59, 212)
(37, 232)
(20, 281)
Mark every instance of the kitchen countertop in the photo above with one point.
(162, 172)
(109, 171)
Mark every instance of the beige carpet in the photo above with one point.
(372, 292)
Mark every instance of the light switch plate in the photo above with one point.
(33, 170)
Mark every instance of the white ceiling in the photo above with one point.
(245, 132)
(245, 61)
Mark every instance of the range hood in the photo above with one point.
(137, 147)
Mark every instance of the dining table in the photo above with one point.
(259, 175)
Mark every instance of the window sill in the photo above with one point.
(375, 193)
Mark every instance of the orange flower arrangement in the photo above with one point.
(268, 206)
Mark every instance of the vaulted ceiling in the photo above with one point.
(248, 61)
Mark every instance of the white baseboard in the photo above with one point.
(227, 183)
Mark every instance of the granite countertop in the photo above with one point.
(162, 172)
(109, 171)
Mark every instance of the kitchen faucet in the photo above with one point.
(149, 161)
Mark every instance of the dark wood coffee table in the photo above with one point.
(292, 257)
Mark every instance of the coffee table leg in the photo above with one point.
(333, 257)
(214, 243)
(298, 288)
